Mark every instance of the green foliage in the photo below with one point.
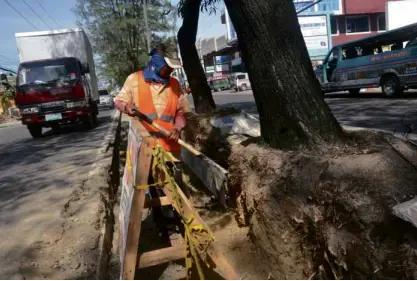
(5, 99)
(207, 6)
(117, 32)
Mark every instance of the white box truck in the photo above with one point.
(56, 81)
(400, 13)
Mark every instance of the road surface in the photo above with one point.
(36, 180)
(369, 110)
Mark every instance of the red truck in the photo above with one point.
(56, 82)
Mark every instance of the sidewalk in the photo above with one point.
(10, 124)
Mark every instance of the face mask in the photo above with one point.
(165, 71)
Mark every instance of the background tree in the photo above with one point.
(291, 107)
(187, 35)
(6, 98)
(117, 32)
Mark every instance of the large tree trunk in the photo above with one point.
(291, 107)
(203, 99)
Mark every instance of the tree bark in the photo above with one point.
(291, 107)
(203, 99)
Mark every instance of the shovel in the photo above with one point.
(209, 172)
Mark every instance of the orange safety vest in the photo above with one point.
(166, 120)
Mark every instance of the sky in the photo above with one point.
(61, 14)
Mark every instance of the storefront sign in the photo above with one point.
(210, 69)
(236, 61)
(222, 67)
(128, 183)
(223, 59)
(317, 42)
(313, 25)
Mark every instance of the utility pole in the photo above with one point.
(145, 16)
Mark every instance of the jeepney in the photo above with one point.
(219, 83)
(387, 60)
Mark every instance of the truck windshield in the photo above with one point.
(45, 72)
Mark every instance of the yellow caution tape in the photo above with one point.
(145, 186)
(197, 237)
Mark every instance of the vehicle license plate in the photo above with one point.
(52, 117)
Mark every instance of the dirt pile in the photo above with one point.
(326, 213)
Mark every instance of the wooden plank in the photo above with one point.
(133, 234)
(157, 202)
(215, 254)
(161, 256)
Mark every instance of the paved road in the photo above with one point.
(36, 180)
(369, 110)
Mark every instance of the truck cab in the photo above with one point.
(54, 92)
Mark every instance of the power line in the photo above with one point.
(6, 63)
(6, 69)
(46, 12)
(4, 58)
(24, 1)
(10, 5)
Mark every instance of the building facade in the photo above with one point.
(323, 25)
(348, 19)
(358, 19)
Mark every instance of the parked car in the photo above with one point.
(106, 100)
(240, 81)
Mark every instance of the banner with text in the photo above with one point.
(128, 185)
(315, 33)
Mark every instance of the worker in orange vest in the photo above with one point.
(159, 96)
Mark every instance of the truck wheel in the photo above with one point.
(35, 131)
(95, 119)
(88, 122)
(354, 92)
(243, 87)
(391, 86)
(56, 129)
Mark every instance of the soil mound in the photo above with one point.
(323, 214)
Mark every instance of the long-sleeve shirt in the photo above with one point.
(129, 95)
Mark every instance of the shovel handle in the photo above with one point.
(165, 132)
(189, 147)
